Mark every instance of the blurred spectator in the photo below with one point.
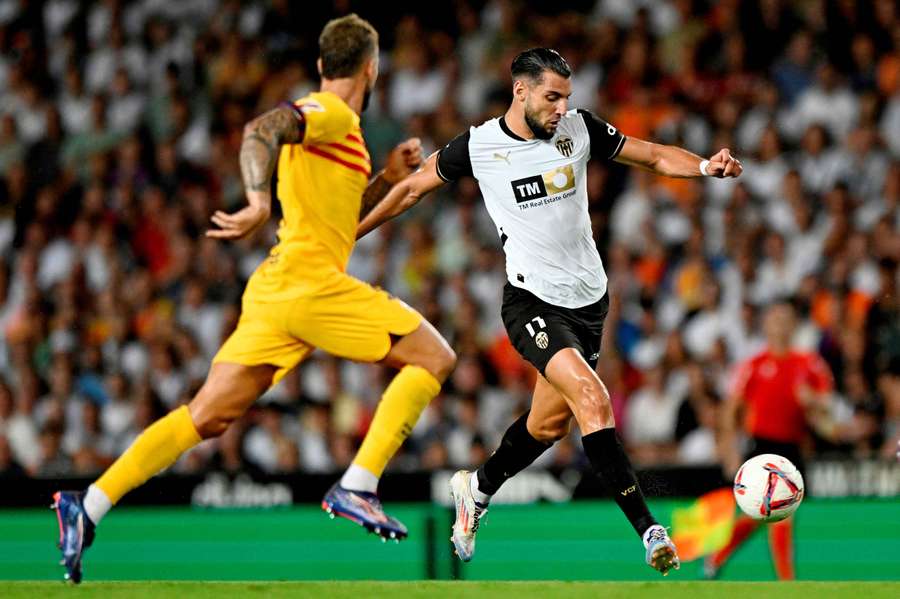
(119, 135)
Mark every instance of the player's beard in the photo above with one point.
(539, 130)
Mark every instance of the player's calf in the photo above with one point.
(550, 429)
(517, 450)
(227, 393)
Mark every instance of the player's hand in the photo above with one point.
(722, 164)
(239, 224)
(403, 160)
(805, 396)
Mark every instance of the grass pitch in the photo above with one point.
(469, 590)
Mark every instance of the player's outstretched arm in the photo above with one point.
(673, 161)
(401, 161)
(403, 196)
(263, 137)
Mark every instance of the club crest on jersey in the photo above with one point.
(311, 106)
(565, 145)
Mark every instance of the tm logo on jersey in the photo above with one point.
(547, 185)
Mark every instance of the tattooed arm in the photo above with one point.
(263, 138)
(403, 160)
(377, 189)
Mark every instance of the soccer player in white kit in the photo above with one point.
(531, 164)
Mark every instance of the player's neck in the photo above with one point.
(515, 120)
(349, 89)
(779, 351)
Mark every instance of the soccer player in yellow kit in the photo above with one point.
(300, 298)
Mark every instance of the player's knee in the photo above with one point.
(440, 360)
(210, 426)
(445, 362)
(594, 399)
(209, 421)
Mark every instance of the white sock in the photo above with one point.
(646, 537)
(482, 498)
(357, 478)
(96, 504)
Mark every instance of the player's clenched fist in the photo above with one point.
(403, 160)
(722, 164)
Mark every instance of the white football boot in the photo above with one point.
(468, 514)
(661, 553)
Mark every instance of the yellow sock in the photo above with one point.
(155, 449)
(396, 415)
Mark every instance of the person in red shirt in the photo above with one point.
(779, 394)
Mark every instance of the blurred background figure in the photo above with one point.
(120, 124)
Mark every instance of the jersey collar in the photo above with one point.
(509, 131)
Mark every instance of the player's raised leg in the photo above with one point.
(524, 441)
(425, 360)
(588, 400)
(229, 390)
(781, 546)
(743, 528)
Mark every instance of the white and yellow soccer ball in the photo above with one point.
(768, 487)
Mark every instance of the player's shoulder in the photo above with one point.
(486, 130)
(573, 120)
(328, 106)
(756, 359)
(809, 359)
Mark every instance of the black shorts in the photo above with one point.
(791, 451)
(538, 330)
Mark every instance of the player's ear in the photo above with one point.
(319, 66)
(372, 69)
(520, 90)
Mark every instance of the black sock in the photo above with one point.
(609, 461)
(517, 450)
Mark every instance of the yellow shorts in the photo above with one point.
(343, 316)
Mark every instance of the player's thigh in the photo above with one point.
(424, 347)
(261, 338)
(351, 319)
(227, 393)
(256, 355)
(550, 415)
(535, 328)
(580, 385)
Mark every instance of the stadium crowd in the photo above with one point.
(120, 123)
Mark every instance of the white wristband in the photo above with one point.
(703, 165)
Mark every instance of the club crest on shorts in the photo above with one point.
(542, 340)
(564, 145)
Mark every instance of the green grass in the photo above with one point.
(468, 590)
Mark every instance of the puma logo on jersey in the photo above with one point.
(498, 156)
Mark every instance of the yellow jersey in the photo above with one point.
(320, 186)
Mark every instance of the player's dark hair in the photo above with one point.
(532, 64)
(345, 44)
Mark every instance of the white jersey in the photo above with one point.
(536, 193)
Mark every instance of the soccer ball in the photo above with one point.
(768, 487)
